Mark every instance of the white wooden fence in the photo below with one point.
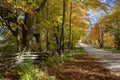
(11, 60)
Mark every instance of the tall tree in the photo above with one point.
(70, 26)
(63, 26)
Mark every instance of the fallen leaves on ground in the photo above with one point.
(83, 68)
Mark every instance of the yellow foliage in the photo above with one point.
(109, 40)
(9, 1)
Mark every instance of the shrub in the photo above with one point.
(52, 61)
(61, 59)
(28, 71)
(1, 75)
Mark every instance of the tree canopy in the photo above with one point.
(42, 25)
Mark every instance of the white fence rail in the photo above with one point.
(11, 60)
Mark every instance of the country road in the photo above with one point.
(109, 59)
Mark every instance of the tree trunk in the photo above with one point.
(57, 43)
(47, 41)
(37, 37)
(70, 24)
(117, 32)
(63, 26)
(72, 44)
(100, 43)
(119, 45)
(38, 40)
(18, 41)
(27, 32)
(57, 38)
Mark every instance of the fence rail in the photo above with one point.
(11, 60)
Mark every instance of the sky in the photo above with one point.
(95, 17)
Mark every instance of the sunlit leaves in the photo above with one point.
(110, 43)
(26, 8)
(111, 32)
(49, 18)
(9, 1)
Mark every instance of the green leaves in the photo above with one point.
(45, 16)
(28, 71)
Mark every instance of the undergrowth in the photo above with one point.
(1, 75)
(112, 49)
(57, 60)
(29, 71)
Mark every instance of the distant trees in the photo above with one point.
(111, 33)
(97, 34)
(112, 24)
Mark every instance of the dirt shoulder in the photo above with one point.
(83, 68)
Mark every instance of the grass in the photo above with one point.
(1, 75)
(57, 60)
(108, 49)
(73, 65)
(112, 49)
(29, 71)
(83, 67)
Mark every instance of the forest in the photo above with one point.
(37, 37)
(41, 25)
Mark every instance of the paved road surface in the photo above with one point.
(109, 59)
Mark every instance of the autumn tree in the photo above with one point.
(45, 25)
(111, 22)
(97, 33)
(15, 9)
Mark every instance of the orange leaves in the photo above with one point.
(26, 8)
(96, 32)
(111, 41)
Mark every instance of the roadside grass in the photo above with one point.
(82, 67)
(29, 71)
(106, 48)
(112, 49)
(54, 62)
(1, 75)
(58, 60)
(73, 65)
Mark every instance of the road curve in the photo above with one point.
(109, 59)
